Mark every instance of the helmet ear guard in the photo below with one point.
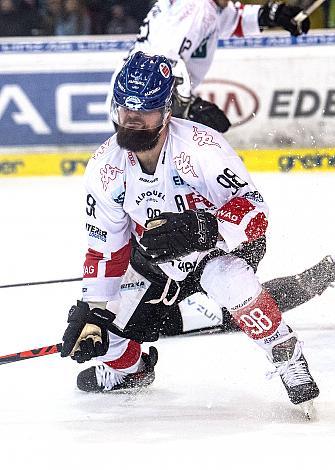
(144, 85)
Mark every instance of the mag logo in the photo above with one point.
(239, 102)
(57, 108)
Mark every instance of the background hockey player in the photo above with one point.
(197, 314)
(151, 182)
(187, 32)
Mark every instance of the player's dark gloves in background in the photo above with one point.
(172, 235)
(274, 14)
(87, 333)
(198, 110)
(207, 113)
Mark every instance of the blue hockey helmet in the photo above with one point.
(144, 84)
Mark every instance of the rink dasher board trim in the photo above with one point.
(64, 46)
(74, 163)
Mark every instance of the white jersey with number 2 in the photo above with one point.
(190, 29)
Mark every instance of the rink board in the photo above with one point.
(53, 95)
(68, 164)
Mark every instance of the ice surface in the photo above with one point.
(210, 405)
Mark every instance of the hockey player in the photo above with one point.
(154, 206)
(187, 32)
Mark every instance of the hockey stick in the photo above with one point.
(20, 356)
(39, 283)
(303, 14)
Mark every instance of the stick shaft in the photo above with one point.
(39, 283)
(302, 15)
(30, 353)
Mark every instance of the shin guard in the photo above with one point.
(261, 320)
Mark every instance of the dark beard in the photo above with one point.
(137, 140)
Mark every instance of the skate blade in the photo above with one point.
(308, 409)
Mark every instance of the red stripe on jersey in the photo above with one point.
(257, 226)
(139, 229)
(118, 264)
(194, 199)
(128, 358)
(259, 319)
(235, 210)
(91, 263)
(239, 30)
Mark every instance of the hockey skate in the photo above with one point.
(292, 368)
(102, 378)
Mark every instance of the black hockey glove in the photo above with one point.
(170, 236)
(208, 114)
(87, 333)
(274, 14)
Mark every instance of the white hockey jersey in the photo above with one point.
(197, 169)
(190, 29)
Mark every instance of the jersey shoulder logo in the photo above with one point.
(109, 173)
(183, 163)
(101, 149)
(203, 138)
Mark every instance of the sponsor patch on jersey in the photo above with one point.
(150, 196)
(164, 70)
(177, 180)
(254, 196)
(92, 260)
(118, 195)
(120, 198)
(235, 210)
(96, 232)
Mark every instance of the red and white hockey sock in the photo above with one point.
(130, 360)
(262, 320)
(124, 355)
(231, 282)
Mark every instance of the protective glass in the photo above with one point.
(133, 118)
